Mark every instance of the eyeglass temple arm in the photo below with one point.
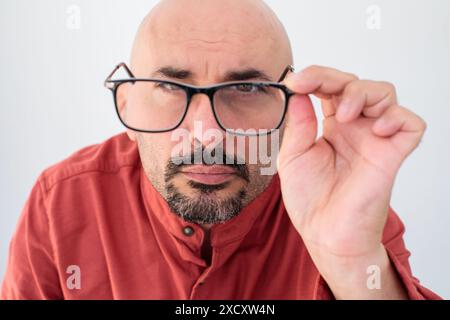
(285, 72)
(120, 65)
(288, 69)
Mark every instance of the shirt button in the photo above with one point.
(188, 231)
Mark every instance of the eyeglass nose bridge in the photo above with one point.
(191, 92)
(209, 92)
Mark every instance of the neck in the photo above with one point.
(206, 227)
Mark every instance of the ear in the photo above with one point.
(122, 95)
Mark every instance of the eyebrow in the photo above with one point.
(174, 73)
(235, 75)
(248, 74)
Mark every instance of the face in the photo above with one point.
(194, 42)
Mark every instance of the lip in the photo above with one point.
(209, 174)
(214, 169)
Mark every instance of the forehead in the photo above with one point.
(221, 54)
(203, 37)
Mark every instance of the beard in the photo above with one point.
(205, 207)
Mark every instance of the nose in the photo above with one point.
(200, 119)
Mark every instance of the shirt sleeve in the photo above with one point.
(399, 255)
(31, 272)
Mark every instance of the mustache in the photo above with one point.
(177, 163)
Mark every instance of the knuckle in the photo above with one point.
(352, 76)
(402, 112)
(423, 124)
(312, 69)
(388, 85)
(353, 87)
(408, 114)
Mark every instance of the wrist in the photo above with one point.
(337, 264)
(364, 276)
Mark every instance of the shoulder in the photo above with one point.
(110, 156)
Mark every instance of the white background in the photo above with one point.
(53, 102)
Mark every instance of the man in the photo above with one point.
(134, 218)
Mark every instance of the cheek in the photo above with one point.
(155, 150)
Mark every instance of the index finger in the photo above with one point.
(320, 81)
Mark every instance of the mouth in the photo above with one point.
(210, 175)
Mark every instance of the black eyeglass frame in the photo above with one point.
(190, 91)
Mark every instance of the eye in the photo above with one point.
(167, 86)
(247, 88)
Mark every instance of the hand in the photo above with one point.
(337, 188)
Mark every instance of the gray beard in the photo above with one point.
(204, 209)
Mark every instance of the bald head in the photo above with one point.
(208, 38)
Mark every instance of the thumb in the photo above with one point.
(300, 131)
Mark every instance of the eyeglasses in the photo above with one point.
(240, 107)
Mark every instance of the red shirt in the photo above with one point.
(98, 211)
